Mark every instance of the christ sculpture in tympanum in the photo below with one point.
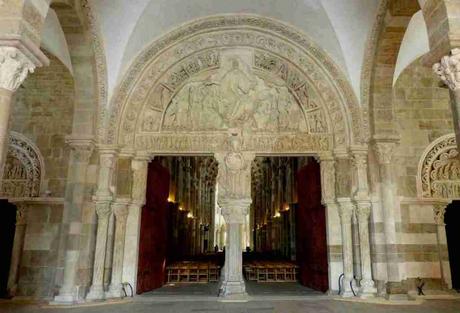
(234, 96)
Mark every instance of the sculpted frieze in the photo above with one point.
(297, 67)
(210, 142)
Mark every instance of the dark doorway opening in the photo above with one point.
(178, 254)
(7, 230)
(452, 221)
(288, 224)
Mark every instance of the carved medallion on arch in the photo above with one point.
(279, 65)
(439, 170)
(24, 168)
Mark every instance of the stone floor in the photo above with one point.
(314, 306)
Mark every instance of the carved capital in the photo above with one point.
(21, 214)
(235, 210)
(346, 208)
(360, 160)
(448, 69)
(82, 148)
(439, 212)
(14, 67)
(363, 211)
(385, 151)
(103, 209)
(120, 208)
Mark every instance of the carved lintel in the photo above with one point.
(14, 68)
(448, 69)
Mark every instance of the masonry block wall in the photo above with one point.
(43, 112)
(422, 114)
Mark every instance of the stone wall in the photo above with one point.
(43, 112)
(422, 114)
(40, 255)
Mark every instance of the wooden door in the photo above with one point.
(154, 231)
(311, 241)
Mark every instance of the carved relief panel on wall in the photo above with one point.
(23, 169)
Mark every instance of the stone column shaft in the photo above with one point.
(367, 283)
(139, 166)
(18, 244)
(439, 212)
(102, 199)
(345, 212)
(384, 151)
(120, 210)
(81, 152)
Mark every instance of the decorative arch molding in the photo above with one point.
(24, 169)
(272, 52)
(439, 170)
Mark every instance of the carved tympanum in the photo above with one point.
(234, 96)
(439, 175)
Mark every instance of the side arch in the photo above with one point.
(24, 169)
(438, 174)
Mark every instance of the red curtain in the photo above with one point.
(311, 229)
(154, 231)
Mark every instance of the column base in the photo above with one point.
(367, 289)
(96, 292)
(233, 288)
(115, 292)
(346, 291)
(64, 299)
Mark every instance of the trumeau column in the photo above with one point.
(363, 211)
(439, 211)
(448, 71)
(139, 167)
(102, 200)
(18, 243)
(384, 149)
(14, 68)
(234, 179)
(120, 211)
(81, 151)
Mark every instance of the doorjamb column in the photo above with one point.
(439, 211)
(363, 211)
(18, 244)
(346, 209)
(334, 238)
(102, 200)
(120, 211)
(139, 167)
